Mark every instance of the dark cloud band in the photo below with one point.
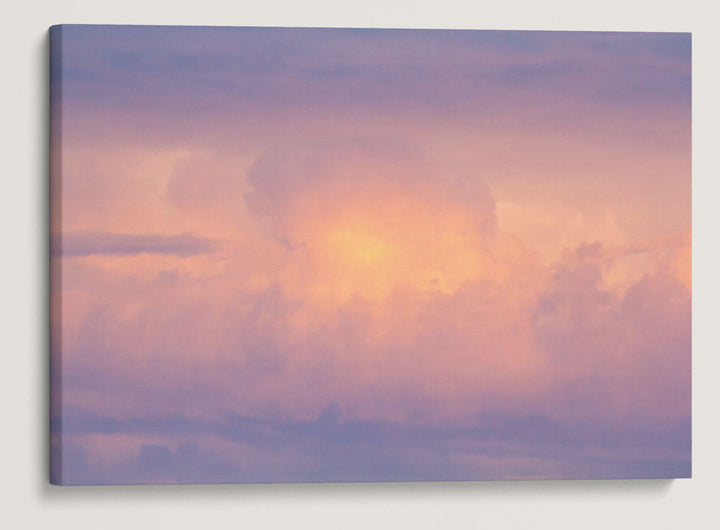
(78, 244)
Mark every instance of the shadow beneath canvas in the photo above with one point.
(652, 488)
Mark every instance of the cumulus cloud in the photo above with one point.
(374, 171)
(365, 215)
(519, 353)
(617, 351)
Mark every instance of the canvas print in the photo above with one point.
(332, 255)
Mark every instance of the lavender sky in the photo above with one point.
(289, 255)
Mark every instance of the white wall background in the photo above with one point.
(27, 501)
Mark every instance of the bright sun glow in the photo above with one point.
(419, 249)
(359, 247)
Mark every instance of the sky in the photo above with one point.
(327, 255)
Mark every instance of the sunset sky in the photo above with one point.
(292, 255)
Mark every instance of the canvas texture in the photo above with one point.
(332, 255)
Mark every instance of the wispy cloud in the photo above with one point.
(369, 68)
(181, 449)
(78, 244)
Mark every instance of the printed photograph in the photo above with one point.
(368, 255)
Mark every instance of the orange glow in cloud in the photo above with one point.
(411, 245)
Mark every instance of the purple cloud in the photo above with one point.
(78, 244)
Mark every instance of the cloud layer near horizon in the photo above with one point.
(482, 288)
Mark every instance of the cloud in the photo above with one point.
(79, 244)
(361, 167)
(207, 69)
(355, 213)
(392, 308)
(489, 447)
(205, 181)
(531, 377)
(431, 266)
(617, 352)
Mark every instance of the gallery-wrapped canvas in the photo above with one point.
(330, 255)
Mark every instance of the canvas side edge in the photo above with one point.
(55, 271)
